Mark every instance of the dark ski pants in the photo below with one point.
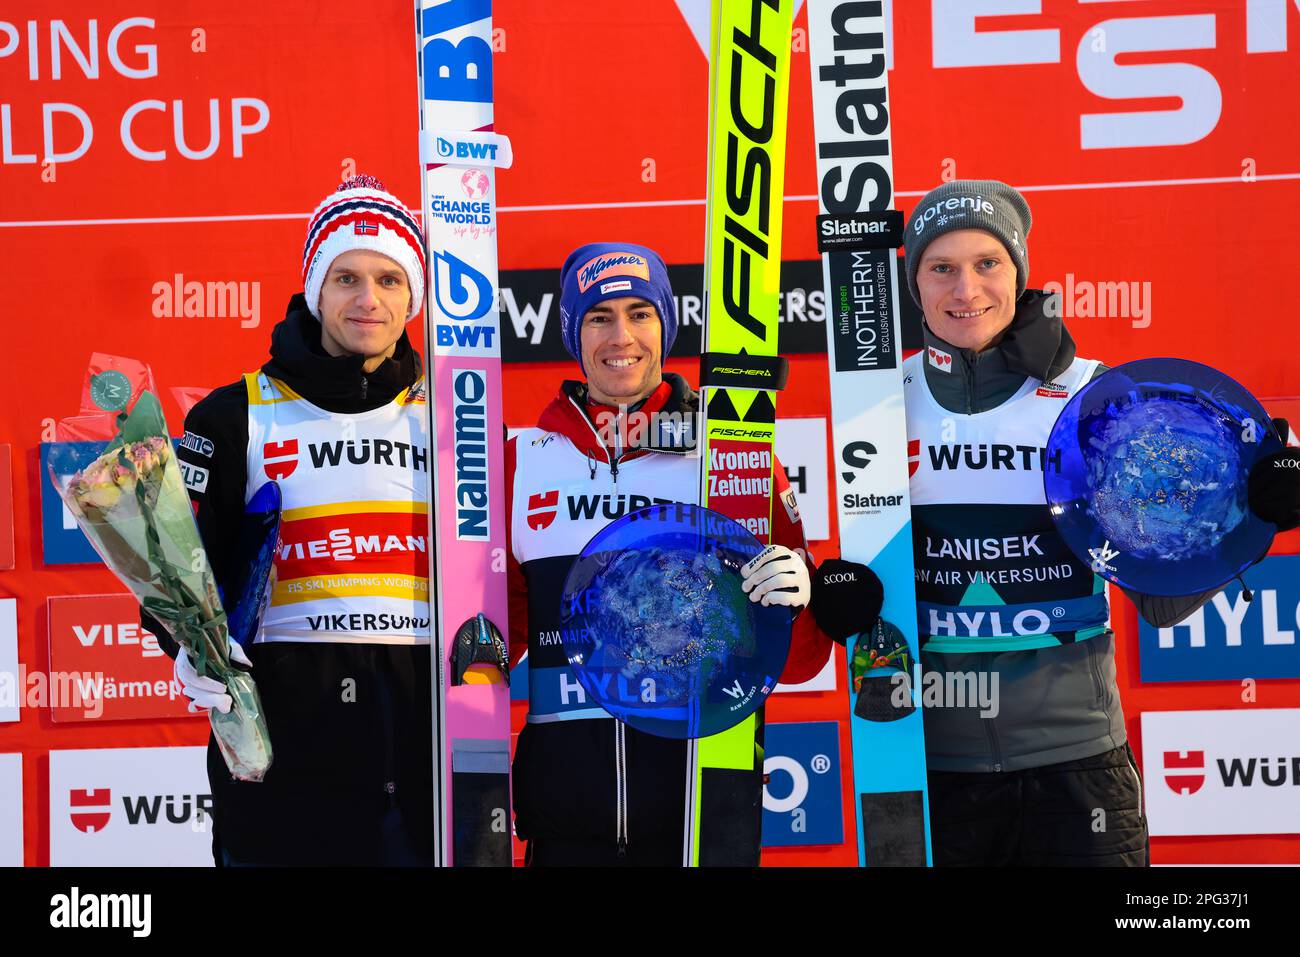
(557, 852)
(1085, 813)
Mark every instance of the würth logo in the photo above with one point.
(1185, 771)
(541, 509)
(913, 456)
(90, 809)
(280, 459)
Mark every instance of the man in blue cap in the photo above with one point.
(587, 789)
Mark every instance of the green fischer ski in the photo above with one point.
(749, 79)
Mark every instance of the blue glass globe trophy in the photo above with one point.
(657, 629)
(1147, 476)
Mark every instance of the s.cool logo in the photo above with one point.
(802, 803)
(460, 291)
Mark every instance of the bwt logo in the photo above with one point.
(91, 809)
(462, 149)
(459, 290)
(1184, 771)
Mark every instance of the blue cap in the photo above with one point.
(599, 271)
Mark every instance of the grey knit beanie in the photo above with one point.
(983, 204)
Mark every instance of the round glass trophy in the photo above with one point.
(657, 629)
(1147, 472)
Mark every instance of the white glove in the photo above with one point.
(206, 692)
(777, 576)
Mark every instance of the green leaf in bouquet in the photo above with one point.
(145, 420)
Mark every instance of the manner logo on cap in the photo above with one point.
(612, 264)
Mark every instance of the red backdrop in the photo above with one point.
(606, 108)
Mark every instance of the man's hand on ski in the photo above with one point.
(1275, 484)
(846, 598)
(202, 691)
(777, 576)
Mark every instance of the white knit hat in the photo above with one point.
(361, 214)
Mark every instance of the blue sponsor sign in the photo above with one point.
(1228, 638)
(61, 540)
(802, 801)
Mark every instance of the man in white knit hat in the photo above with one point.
(336, 416)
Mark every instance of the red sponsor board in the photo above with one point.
(6, 507)
(104, 666)
(741, 489)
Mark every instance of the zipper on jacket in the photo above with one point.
(365, 385)
(620, 769)
(1137, 775)
(995, 747)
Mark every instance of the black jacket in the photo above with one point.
(350, 724)
(1054, 704)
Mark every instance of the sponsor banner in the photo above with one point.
(802, 801)
(114, 668)
(377, 538)
(6, 507)
(740, 483)
(1222, 772)
(1229, 638)
(9, 658)
(61, 540)
(846, 231)
(468, 148)
(11, 810)
(801, 447)
(130, 807)
(530, 312)
(862, 321)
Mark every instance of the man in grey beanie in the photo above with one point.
(1042, 775)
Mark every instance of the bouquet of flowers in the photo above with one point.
(132, 505)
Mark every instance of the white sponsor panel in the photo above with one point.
(9, 702)
(801, 447)
(1222, 772)
(11, 810)
(130, 807)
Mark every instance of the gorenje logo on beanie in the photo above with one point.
(951, 208)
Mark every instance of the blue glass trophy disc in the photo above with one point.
(259, 536)
(657, 629)
(1147, 471)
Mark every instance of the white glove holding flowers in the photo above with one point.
(777, 576)
(206, 692)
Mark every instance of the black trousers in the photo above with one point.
(1085, 813)
(557, 852)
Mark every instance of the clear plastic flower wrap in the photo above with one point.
(132, 505)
